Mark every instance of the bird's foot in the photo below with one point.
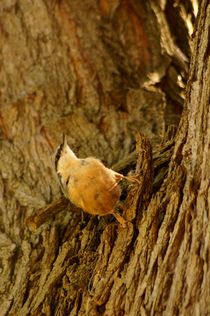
(134, 178)
(120, 219)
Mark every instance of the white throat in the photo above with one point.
(67, 160)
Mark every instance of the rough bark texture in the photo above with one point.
(106, 74)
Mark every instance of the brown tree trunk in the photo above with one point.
(106, 74)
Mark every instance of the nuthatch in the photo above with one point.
(87, 183)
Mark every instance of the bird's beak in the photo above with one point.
(64, 140)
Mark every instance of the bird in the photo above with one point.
(88, 183)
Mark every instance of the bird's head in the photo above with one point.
(63, 155)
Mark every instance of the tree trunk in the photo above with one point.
(107, 74)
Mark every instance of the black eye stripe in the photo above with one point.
(57, 156)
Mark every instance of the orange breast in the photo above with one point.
(94, 189)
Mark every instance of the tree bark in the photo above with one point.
(106, 74)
